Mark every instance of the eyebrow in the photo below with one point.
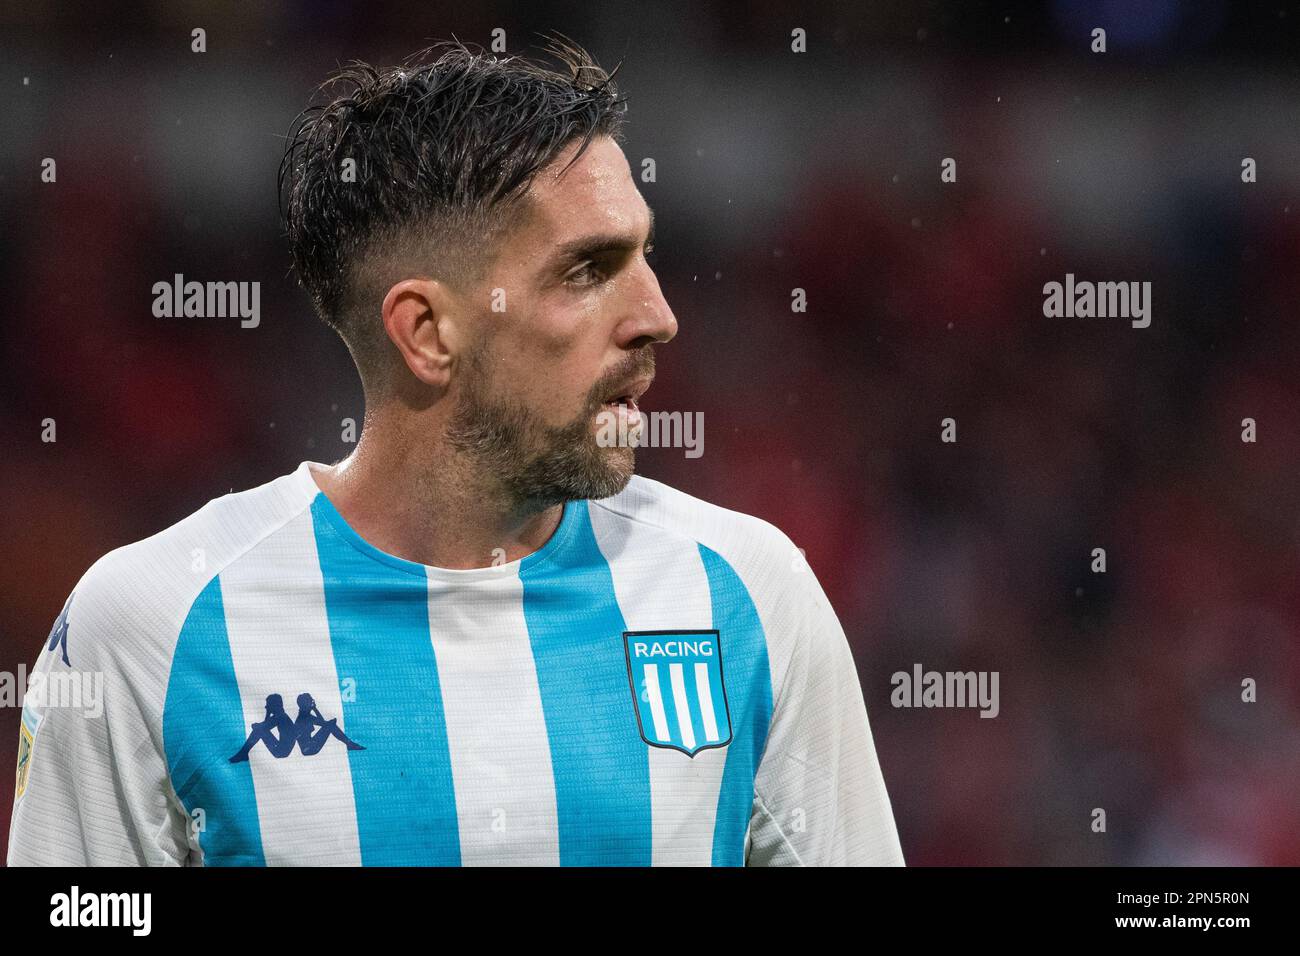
(585, 247)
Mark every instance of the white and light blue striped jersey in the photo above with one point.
(663, 683)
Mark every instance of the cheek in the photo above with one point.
(563, 330)
(561, 358)
(545, 377)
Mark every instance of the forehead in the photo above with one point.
(595, 194)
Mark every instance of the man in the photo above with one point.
(505, 648)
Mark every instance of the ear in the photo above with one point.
(423, 321)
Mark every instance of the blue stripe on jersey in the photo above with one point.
(600, 764)
(203, 720)
(378, 611)
(743, 648)
(721, 706)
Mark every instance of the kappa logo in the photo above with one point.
(678, 690)
(59, 633)
(309, 731)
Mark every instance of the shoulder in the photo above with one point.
(750, 544)
(129, 605)
(760, 555)
(796, 616)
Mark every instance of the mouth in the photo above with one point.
(623, 399)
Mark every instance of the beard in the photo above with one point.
(540, 465)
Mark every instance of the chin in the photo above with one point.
(619, 467)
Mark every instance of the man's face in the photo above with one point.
(580, 309)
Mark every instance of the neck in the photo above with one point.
(407, 492)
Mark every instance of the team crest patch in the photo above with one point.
(678, 690)
(26, 740)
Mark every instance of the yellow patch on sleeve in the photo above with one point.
(26, 741)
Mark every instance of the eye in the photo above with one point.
(649, 250)
(588, 274)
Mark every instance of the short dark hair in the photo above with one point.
(445, 145)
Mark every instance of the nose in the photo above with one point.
(648, 318)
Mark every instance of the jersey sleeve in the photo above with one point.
(92, 786)
(820, 797)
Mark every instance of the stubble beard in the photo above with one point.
(537, 465)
